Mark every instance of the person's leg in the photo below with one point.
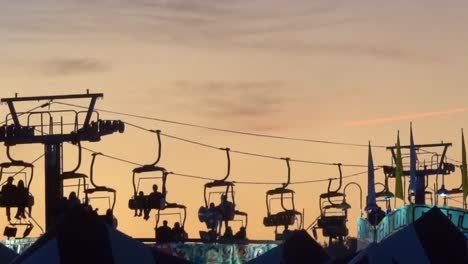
(8, 213)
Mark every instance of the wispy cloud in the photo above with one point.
(69, 66)
(407, 117)
(250, 104)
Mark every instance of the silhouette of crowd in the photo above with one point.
(68, 203)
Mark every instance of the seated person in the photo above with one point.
(8, 193)
(22, 198)
(178, 233)
(214, 217)
(109, 218)
(163, 234)
(241, 234)
(226, 208)
(140, 204)
(209, 237)
(73, 199)
(375, 216)
(228, 234)
(155, 200)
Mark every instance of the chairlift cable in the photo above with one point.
(245, 133)
(247, 153)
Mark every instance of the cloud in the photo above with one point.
(395, 118)
(236, 100)
(70, 66)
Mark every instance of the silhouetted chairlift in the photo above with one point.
(160, 204)
(74, 175)
(14, 200)
(288, 216)
(182, 208)
(227, 208)
(99, 189)
(333, 216)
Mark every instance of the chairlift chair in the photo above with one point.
(333, 216)
(99, 189)
(288, 215)
(74, 175)
(133, 203)
(227, 208)
(182, 209)
(12, 200)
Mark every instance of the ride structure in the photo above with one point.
(333, 213)
(286, 215)
(100, 189)
(40, 127)
(156, 200)
(213, 216)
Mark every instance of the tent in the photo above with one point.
(81, 237)
(433, 238)
(299, 248)
(372, 254)
(6, 254)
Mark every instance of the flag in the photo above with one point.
(371, 203)
(464, 171)
(413, 159)
(398, 170)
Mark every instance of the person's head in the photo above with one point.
(228, 229)
(223, 198)
(109, 212)
(20, 184)
(155, 187)
(72, 196)
(177, 225)
(141, 193)
(10, 180)
(165, 223)
(212, 205)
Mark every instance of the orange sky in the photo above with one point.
(302, 69)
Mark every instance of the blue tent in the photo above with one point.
(433, 238)
(81, 237)
(6, 254)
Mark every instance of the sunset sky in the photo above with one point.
(347, 71)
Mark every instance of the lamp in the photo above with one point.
(386, 194)
(442, 192)
(344, 205)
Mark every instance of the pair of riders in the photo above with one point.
(144, 204)
(15, 196)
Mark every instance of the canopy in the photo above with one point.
(81, 237)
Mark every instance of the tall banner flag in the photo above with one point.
(413, 159)
(398, 171)
(464, 171)
(371, 203)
